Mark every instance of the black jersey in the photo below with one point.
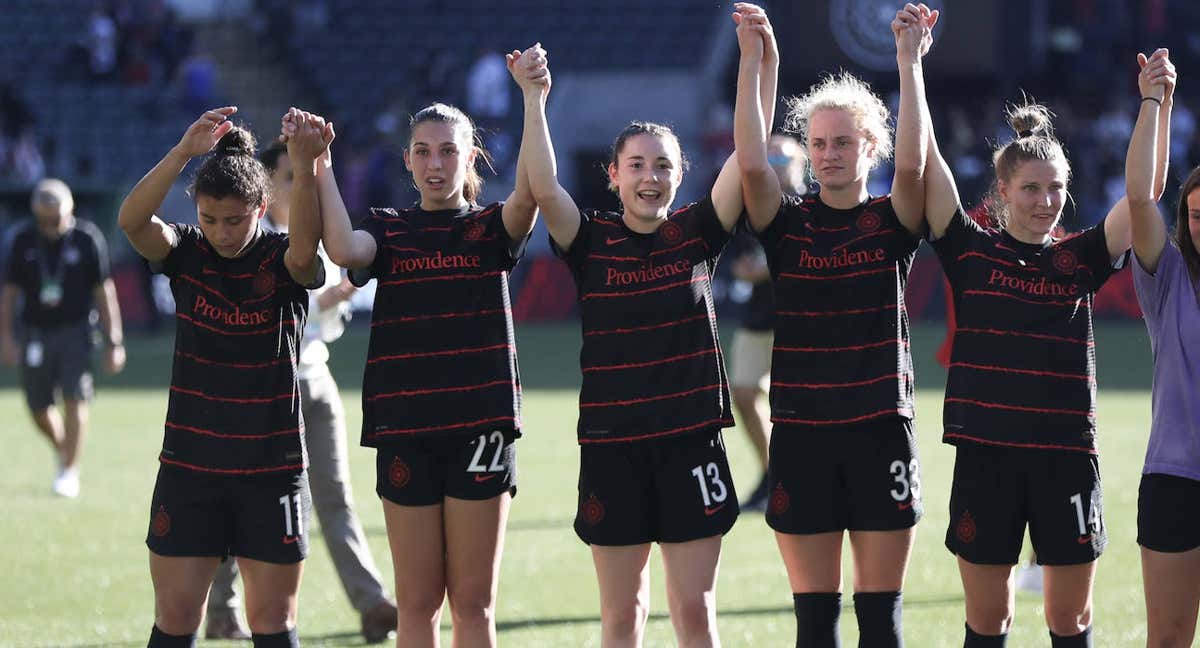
(758, 313)
(1023, 368)
(841, 351)
(57, 278)
(234, 405)
(442, 357)
(651, 357)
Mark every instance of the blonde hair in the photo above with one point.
(58, 189)
(851, 95)
(1032, 122)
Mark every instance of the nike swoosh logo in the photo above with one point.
(483, 478)
(290, 539)
(712, 510)
(1085, 539)
(391, 234)
(614, 241)
(904, 506)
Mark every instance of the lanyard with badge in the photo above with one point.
(50, 292)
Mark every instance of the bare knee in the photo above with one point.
(270, 617)
(473, 605)
(177, 617)
(991, 618)
(1176, 633)
(414, 604)
(624, 621)
(1068, 620)
(744, 400)
(694, 617)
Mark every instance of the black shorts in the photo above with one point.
(423, 471)
(57, 360)
(261, 518)
(996, 491)
(862, 478)
(1168, 519)
(666, 490)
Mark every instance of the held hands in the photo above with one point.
(205, 132)
(530, 70)
(1157, 76)
(756, 37)
(913, 29)
(308, 137)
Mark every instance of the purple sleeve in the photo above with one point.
(1153, 289)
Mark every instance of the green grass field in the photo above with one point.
(76, 571)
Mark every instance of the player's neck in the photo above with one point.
(55, 233)
(847, 197)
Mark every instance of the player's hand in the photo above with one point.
(530, 69)
(310, 140)
(205, 132)
(11, 353)
(1157, 76)
(756, 37)
(114, 358)
(344, 290)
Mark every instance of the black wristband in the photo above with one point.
(1154, 99)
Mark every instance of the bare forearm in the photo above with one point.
(110, 313)
(8, 300)
(911, 139)
(540, 163)
(148, 194)
(336, 231)
(1163, 151)
(304, 228)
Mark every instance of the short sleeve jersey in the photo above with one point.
(651, 358)
(442, 357)
(1023, 368)
(57, 279)
(234, 405)
(841, 352)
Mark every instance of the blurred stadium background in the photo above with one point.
(96, 92)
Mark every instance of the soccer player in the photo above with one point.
(232, 476)
(654, 397)
(841, 373)
(1166, 276)
(59, 266)
(325, 437)
(441, 390)
(750, 363)
(1021, 394)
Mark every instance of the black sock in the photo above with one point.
(1081, 640)
(975, 640)
(289, 639)
(878, 619)
(817, 619)
(160, 639)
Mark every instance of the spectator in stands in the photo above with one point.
(59, 266)
(489, 102)
(101, 43)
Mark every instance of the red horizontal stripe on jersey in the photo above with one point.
(855, 347)
(600, 221)
(421, 318)
(232, 471)
(856, 239)
(230, 275)
(857, 383)
(1019, 408)
(440, 390)
(271, 329)
(1012, 444)
(887, 412)
(835, 313)
(793, 237)
(637, 365)
(397, 248)
(453, 277)
(817, 228)
(678, 247)
(436, 229)
(634, 293)
(1051, 302)
(848, 275)
(1030, 372)
(229, 399)
(1038, 336)
(207, 287)
(452, 426)
(995, 260)
(238, 437)
(601, 257)
(236, 365)
(642, 437)
(430, 354)
(1001, 246)
(650, 399)
(648, 327)
(879, 200)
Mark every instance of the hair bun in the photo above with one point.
(1031, 119)
(238, 141)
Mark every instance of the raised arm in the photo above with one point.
(912, 29)
(1143, 162)
(941, 193)
(346, 247)
(520, 210)
(531, 72)
(310, 140)
(751, 121)
(149, 235)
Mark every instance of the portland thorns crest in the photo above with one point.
(868, 222)
(965, 529)
(160, 525)
(592, 511)
(1065, 261)
(671, 233)
(398, 473)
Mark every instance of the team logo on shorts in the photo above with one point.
(592, 511)
(671, 233)
(160, 524)
(868, 222)
(1065, 261)
(472, 231)
(965, 529)
(780, 501)
(263, 283)
(398, 473)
